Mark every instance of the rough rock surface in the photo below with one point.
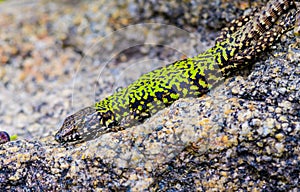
(56, 56)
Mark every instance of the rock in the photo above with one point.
(243, 135)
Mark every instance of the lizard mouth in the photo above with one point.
(71, 136)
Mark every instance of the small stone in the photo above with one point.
(260, 144)
(283, 119)
(245, 129)
(271, 109)
(278, 110)
(285, 104)
(267, 127)
(279, 136)
(235, 90)
(285, 125)
(4, 137)
(256, 122)
(279, 147)
(282, 90)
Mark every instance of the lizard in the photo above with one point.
(237, 46)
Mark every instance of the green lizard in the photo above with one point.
(237, 45)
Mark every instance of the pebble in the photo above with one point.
(279, 147)
(279, 136)
(4, 137)
(256, 122)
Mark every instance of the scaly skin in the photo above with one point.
(237, 45)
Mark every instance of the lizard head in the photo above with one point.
(79, 127)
